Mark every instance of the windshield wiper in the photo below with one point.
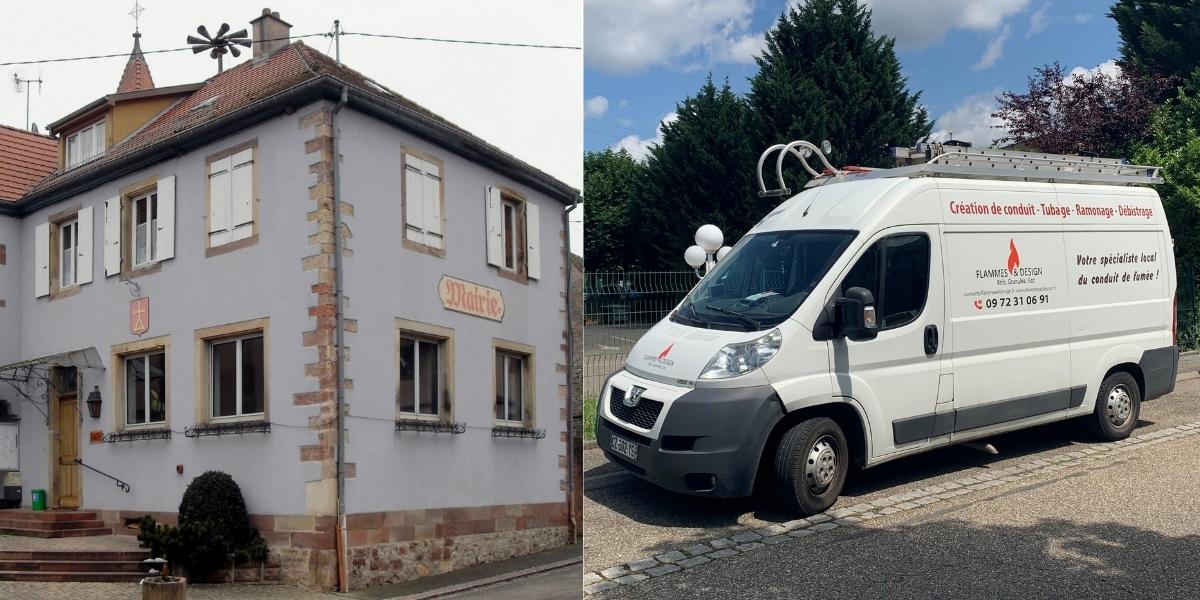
(734, 313)
(696, 316)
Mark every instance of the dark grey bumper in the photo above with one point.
(1159, 368)
(705, 434)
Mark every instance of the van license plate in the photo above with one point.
(625, 448)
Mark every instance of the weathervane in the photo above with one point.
(220, 44)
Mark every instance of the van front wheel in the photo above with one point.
(1117, 407)
(810, 466)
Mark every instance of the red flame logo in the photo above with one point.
(666, 352)
(1014, 259)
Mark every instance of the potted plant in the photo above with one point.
(160, 585)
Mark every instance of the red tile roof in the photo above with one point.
(242, 86)
(25, 158)
(137, 73)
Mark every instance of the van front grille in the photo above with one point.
(644, 415)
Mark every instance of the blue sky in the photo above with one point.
(643, 56)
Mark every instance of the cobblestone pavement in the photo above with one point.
(657, 533)
(14, 590)
(1118, 523)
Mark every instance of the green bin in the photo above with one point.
(39, 499)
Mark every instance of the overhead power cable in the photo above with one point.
(297, 37)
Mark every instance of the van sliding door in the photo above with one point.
(1011, 327)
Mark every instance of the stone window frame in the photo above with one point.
(203, 339)
(528, 400)
(119, 353)
(445, 338)
(405, 242)
(57, 220)
(256, 191)
(128, 194)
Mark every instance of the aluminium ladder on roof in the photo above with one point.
(960, 162)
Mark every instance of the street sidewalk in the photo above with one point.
(550, 575)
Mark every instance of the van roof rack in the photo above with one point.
(940, 160)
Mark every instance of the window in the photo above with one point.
(513, 243)
(231, 196)
(513, 380)
(423, 202)
(145, 228)
(896, 271)
(145, 388)
(63, 253)
(510, 234)
(68, 238)
(420, 376)
(139, 227)
(237, 377)
(764, 279)
(85, 144)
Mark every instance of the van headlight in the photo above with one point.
(739, 359)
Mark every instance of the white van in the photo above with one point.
(884, 313)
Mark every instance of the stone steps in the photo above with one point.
(51, 523)
(73, 566)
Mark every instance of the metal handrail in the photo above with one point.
(121, 484)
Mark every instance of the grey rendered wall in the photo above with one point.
(189, 293)
(401, 471)
(10, 285)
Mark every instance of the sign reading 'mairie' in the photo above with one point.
(471, 298)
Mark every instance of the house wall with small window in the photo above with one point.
(10, 291)
(213, 240)
(414, 359)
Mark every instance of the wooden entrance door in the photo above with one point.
(66, 470)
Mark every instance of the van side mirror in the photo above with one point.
(855, 315)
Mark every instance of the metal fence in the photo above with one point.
(1187, 312)
(618, 307)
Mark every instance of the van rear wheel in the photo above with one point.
(1118, 405)
(810, 466)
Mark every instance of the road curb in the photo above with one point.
(748, 539)
(489, 581)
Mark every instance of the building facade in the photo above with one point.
(184, 270)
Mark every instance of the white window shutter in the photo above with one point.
(83, 246)
(533, 241)
(41, 259)
(166, 218)
(242, 194)
(112, 237)
(218, 202)
(495, 227)
(432, 197)
(414, 203)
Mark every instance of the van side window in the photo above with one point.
(896, 271)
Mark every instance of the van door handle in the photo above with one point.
(931, 340)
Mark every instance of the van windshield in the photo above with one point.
(763, 280)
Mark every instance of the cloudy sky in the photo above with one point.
(643, 56)
(523, 100)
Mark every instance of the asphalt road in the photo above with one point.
(1119, 531)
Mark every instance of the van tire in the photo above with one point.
(1118, 405)
(812, 454)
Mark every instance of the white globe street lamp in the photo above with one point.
(707, 251)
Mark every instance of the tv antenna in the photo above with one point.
(22, 85)
(219, 45)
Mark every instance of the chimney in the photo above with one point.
(270, 33)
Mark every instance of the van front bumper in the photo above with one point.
(709, 442)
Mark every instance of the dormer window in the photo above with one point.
(85, 144)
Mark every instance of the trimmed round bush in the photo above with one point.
(215, 500)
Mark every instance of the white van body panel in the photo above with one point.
(1036, 291)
